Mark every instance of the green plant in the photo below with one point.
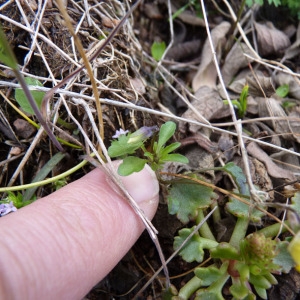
(283, 90)
(37, 95)
(156, 155)
(249, 261)
(241, 103)
(157, 50)
(195, 5)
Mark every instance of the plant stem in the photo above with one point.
(44, 182)
(217, 286)
(204, 230)
(239, 232)
(189, 288)
(272, 230)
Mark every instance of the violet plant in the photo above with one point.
(128, 144)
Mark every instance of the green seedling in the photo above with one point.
(127, 145)
(241, 103)
(283, 90)
(157, 50)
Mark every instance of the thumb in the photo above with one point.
(60, 246)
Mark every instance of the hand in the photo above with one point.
(60, 246)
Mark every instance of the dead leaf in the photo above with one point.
(152, 11)
(15, 151)
(262, 178)
(260, 85)
(207, 73)
(138, 85)
(23, 128)
(235, 60)
(200, 159)
(294, 49)
(226, 145)
(270, 39)
(295, 124)
(270, 107)
(207, 103)
(183, 50)
(273, 170)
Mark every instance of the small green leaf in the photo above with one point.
(157, 50)
(242, 210)
(193, 250)
(225, 251)
(284, 258)
(208, 294)
(179, 11)
(165, 133)
(259, 281)
(262, 293)
(208, 275)
(288, 104)
(240, 290)
(296, 203)
(130, 165)
(37, 95)
(243, 101)
(6, 54)
(121, 146)
(175, 157)
(238, 176)
(41, 175)
(170, 148)
(283, 90)
(186, 197)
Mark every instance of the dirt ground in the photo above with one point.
(261, 51)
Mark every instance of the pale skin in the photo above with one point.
(62, 245)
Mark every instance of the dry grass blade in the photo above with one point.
(86, 64)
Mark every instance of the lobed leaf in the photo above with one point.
(121, 146)
(185, 198)
(193, 250)
(242, 210)
(208, 275)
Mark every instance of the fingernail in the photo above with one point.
(142, 186)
